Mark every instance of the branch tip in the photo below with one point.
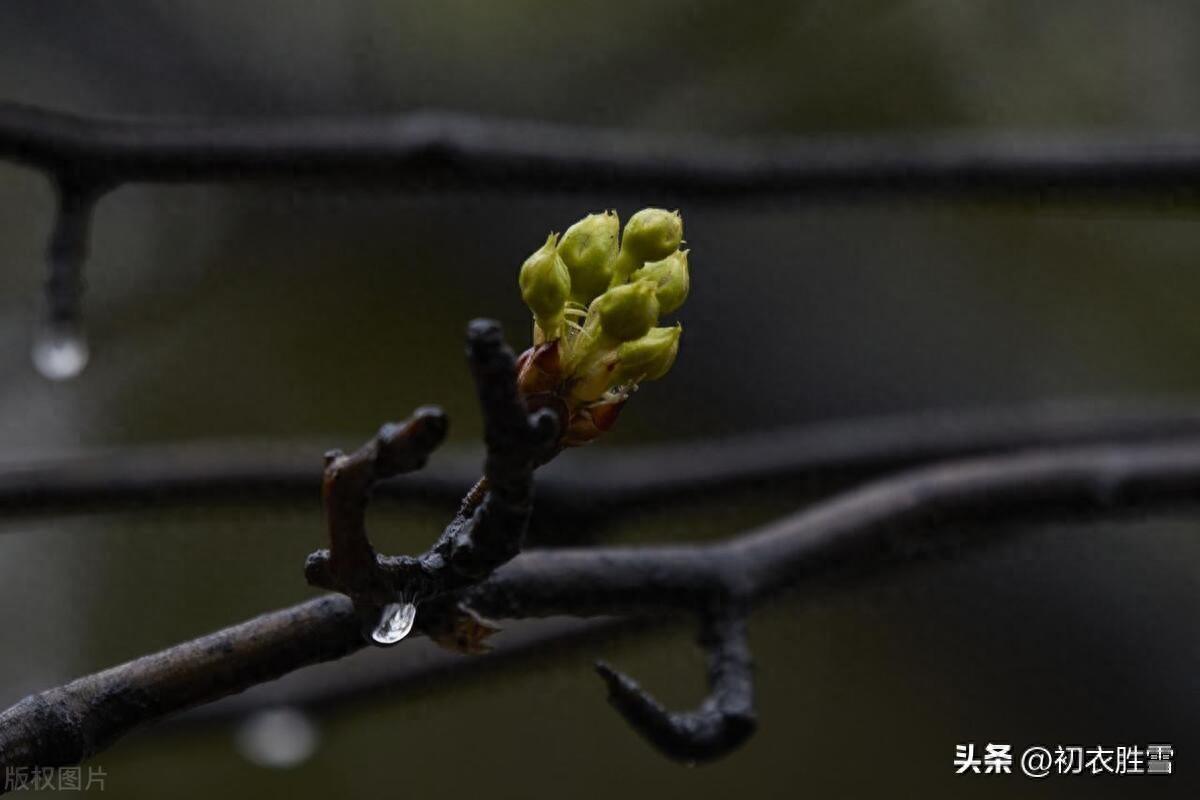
(484, 337)
(404, 447)
(722, 722)
(490, 527)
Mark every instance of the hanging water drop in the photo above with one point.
(395, 623)
(60, 351)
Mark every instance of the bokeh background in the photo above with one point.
(286, 313)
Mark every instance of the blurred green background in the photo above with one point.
(285, 312)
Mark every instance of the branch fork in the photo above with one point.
(65, 724)
(488, 532)
(489, 528)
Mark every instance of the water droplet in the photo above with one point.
(280, 738)
(395, 623)
(60, 351)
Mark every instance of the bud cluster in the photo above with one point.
(597, 296)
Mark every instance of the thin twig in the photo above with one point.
(351, 564)
(486, 533)
(723, 721)
(69, 723)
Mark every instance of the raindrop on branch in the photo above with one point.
(60, 350)
(280, 738)
(395, 623)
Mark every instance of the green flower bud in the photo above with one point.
(671, 278)
(647, 358)
(651, 234)
(588, 248)
(627, 312)
(585, 369)
(545, 286)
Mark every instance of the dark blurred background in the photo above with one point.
(279, 312)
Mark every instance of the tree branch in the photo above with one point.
(383, 673)
(461, 150)
(597, 480)
(723, 721)
(89, 156)
(490, 527)
(64, 725)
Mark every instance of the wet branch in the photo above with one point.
(423, 148)
(86, 157)
(490, 527)
(725, 719)
(336, 686)
(68, 724)
(351, 564)
(822, 544)
(603, 480)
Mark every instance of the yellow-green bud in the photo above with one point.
(627, 312)
(545, 286)
(588, 248)
(651, 234)
(647, 358)
(671, 278)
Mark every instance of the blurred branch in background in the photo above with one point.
(595, 481)
(88, 157)
(439, 148)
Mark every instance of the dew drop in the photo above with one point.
(60, 351)
(280, 738)
(395, 623)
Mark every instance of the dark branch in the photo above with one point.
(87, 156)
(385, 673)
(66, 725)
(726, 718)
(68, 249)
(460, 150)
(351, 564)
(598, 480)
(490, 526)
(63, 725)
(488, 530)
